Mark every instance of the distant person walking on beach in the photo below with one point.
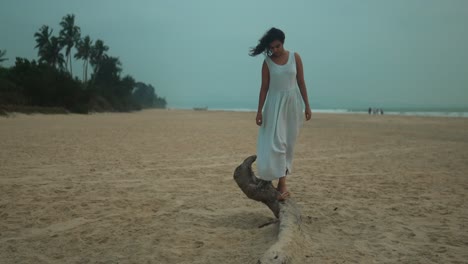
(279, 113)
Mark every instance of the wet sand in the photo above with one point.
(156, 187)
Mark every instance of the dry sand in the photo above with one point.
(156, 187)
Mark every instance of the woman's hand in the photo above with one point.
(308, 113)
(259, 119)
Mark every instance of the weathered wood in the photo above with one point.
(255, 188)
(292, 243)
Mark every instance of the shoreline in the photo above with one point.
(11, 110)
(462, 114)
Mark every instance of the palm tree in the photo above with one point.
(49, 47)
(53, 53)
(98, 54)
(2, 55)
(69, 36)
(43, 40)
(84, 48)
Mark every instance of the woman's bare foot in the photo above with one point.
(283, 196)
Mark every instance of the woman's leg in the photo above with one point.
(282, 188)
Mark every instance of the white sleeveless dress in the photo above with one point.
(282, 120)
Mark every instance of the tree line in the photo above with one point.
(49, 82)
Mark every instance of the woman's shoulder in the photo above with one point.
(297, 58)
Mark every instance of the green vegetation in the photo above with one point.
(48, 83)
(2, 55)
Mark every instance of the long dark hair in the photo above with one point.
(264, 43)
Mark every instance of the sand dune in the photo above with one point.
(156, 187)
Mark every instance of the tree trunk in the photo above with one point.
(255, 188)
(71, 70)
(66, 63)
(292, 243)
(86, 71)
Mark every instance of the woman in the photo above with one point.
(280, 100)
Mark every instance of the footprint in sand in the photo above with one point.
(199, 244)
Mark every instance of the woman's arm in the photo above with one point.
(302, 85)
(263, 92)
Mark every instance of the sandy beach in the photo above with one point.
(156, 187)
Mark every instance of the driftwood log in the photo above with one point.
(255, 188)
(292, 244)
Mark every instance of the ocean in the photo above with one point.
(364, 112)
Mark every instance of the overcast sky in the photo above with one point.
(356, 53)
